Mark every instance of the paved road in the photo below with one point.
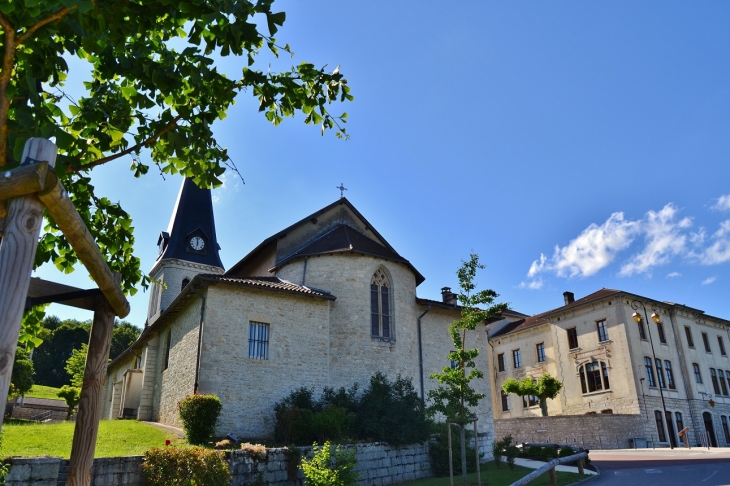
(663, 467)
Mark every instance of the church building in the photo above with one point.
(325, 302)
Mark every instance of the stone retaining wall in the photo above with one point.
(378, 464)
(601, 431)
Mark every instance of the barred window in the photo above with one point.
(381, 324)
(258, 340)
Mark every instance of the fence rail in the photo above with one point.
(42, 416)
(550, 466)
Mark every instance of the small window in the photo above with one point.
(688, 333)
(454, 364)
(572, 338)
(680, 422)
(659, 373)
(505, 402)
(670, 375)
(698, 375)
(602, 330)
(530, 401)
(715, 384)
(185, 283)
(660, 331)
(721, 343)
(660, 426)
(501, 362)
(541, 353)
(517, 358)
(649, 371)
(258, 340)
(607, 411)
(727, 377)
(725, 429)
(642, 331)
(721, 379)
(706, 342)
(168, 341)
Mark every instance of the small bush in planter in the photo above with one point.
(565, 452)
(199, 414)
(183, 467)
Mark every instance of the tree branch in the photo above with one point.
(134, 148)
(7, 70)
(51, 18)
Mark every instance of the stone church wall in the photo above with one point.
(249, 388)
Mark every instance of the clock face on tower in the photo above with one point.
(197, 243)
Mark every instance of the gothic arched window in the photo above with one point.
(381, 322)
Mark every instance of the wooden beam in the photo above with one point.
(17, 253)
(87, 420)
(42, 289)
(23, 180)
(63, 212)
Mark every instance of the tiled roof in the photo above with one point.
(272, 283)
(542, 318)
(345, 239)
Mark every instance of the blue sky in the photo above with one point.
(572, 145)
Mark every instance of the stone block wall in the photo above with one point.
(600, 431)
(378, 464)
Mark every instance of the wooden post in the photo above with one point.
(476, 448)
(87, 420)
(17, 253)
(553, 476)
(580, 467)
(451, 462)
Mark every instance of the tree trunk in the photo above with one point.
(462, 436)
(543, 406)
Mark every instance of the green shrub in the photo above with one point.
(333, 423)
(438, 450)
(199, 415)
(547, 454)
(329, 466)
(193, 466)
(565, 452)
(512, 453)
(4, 467)
(534, 451)
(72, 396)
(497, 452)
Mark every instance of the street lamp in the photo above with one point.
(654, 317)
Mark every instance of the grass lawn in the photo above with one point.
(116, 438)
(503, 476)
(41, 391)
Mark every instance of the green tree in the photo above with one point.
(546, 387)
(330, 466)
(455, 397)
(72, 395)
(153, 95)
(75, 365)
(123, 336)
(21, 379)
(58, 343)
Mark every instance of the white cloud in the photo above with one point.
(535, 284)
(664, 240)
(719, 251)
(709, 280)
(722, 203)
(674, 275)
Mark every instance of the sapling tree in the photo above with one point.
(546, 387)
(455, 397)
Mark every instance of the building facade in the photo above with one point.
(326, 302)
(671, 367)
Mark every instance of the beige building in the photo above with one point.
(610, 364)
(324, 302)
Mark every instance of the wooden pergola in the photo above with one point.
(32, 188)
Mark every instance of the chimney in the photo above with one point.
(448, 296)
(568, 297)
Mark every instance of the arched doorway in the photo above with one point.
(709, 428)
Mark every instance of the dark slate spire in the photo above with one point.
(191, 233)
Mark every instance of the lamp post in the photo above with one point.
(654, 317)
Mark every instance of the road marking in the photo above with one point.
(653, 471)
(708, 477)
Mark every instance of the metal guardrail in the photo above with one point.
(42, 416)
(550, 466)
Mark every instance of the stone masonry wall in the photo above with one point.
(378, 464)
(600, 431)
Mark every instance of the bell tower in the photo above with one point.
(187, 248)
